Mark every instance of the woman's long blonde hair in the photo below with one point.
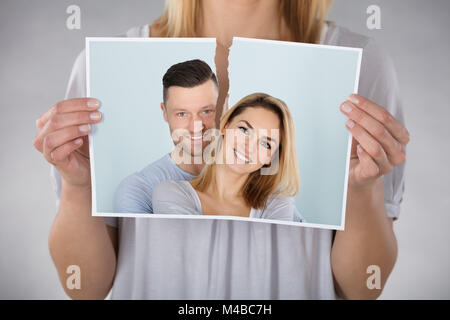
(304, 18)
(258, 187)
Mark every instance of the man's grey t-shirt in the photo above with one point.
(134, 193)
(179, 197)
(223, 259)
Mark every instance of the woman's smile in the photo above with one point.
(241, 156)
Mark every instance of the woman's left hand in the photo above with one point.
(379, 140)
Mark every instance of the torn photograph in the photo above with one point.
(274, 150)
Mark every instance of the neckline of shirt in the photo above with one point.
(327, 28)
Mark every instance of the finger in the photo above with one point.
(368, 167)
(391, 146)
(370, 145)
(397, 130)
(63, 120)
(40, 122)
(71, 105)
(59, 121)
(62, 136)
(61, 153)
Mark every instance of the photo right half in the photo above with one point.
(312, 81)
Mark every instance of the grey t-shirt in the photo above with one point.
(134, 193)
(179, 197)
(224, 259)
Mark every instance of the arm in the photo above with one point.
(368, 239)
(378, 146)
(77, 238)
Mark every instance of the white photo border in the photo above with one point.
(221, 217)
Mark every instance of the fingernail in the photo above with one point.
(92, 104)
(95, 115)
(84, 127)
(78, 141)
(350, 123)
(353, 99)
(346, 107)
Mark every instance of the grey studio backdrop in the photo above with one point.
(37, 53)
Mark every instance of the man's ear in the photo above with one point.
(163, 109)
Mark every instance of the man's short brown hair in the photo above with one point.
(187, 74)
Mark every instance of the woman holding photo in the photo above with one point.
(225, 259)
(257, 131)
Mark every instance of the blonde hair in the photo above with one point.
(257, 188)
(304, 18)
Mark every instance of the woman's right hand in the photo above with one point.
(63, 138)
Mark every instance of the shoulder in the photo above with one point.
(135, 191)
(278, 200)
(79, 65)
(373, 52)
(278, 207)
(378, 78)
(133, 194)
(170, 189)
(175, 197)
(163, 169)
(149, 176)
(138, 32)
(341, 36)
(134, 180)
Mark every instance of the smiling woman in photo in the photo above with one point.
(256, 136)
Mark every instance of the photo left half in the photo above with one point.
(158, 96)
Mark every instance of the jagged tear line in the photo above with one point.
(222, 96)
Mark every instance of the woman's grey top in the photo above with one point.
(179, 197)
(224, 259)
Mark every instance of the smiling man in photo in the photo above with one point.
(190, 92)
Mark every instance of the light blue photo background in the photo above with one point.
(126, 76)
(313, 82)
